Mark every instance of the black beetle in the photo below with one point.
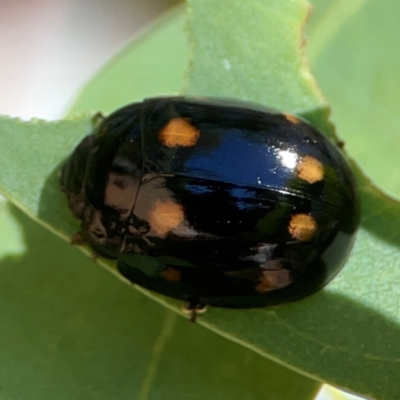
(214, 202)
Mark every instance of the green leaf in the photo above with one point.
(251, 51)
(152, 65)
(30, 166)
(347, 334)
(353, 52)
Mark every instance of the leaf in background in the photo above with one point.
(250, 51)
(354, 52)
(152, 65)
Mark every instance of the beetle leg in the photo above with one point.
(193, 308)
(77, 239)
(94, 257)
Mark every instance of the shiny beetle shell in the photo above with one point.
(214, 202)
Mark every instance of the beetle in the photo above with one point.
(214, 202)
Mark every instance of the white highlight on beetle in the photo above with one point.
(288, 158)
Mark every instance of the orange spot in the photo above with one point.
(273, 279)
(179, 132)
(165, 216)
(302, 227)
(171, 275)
(310, 169)
(292, 119)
